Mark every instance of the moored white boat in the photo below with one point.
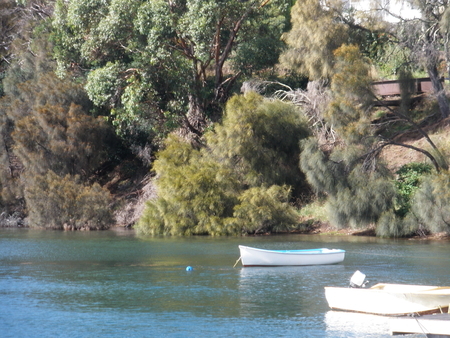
(435, 325)
(262, 257)
(389, 299)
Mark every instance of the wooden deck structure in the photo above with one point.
(389, 91)
(392, 87)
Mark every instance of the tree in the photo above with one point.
(240, 182)
(319, 28)
(352, 96)
(356, 196)
(259, 140)
(426, 37)
(17, 21)
(316, 32)
(162, 63)
(430, 203)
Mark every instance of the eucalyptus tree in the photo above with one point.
(158, 65)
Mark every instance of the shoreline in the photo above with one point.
(317, 229)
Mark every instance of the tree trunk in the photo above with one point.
(439, 91)
(195, 118)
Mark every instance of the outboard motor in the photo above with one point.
(357, 280)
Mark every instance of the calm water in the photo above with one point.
(113, 284)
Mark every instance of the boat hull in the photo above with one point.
(260, 257)
(432, 325)
(389, 299)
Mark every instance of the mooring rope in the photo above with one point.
(236, 262)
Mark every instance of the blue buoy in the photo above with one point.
(189, 268)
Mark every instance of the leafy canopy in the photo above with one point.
(160, 64)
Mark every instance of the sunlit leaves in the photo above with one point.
(316, 32)
(265, 209)
(175, 51)
(102, 84)
(239, 183)
(196, 195)
(260, 140)
(351, 87)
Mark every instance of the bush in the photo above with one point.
(263, 210)
(356, 197)
(431, 203)
(408, 180)
(63, 203)
(195, 194)
(221, 189)
(259, 139)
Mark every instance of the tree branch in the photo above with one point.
(378, 149)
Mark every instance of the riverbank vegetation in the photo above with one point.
(222, 118)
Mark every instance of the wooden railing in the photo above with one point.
(392, 88)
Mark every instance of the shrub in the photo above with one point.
(431, 203)
(195, 194)
(63, 203)
(259, 139)
(221, 189)
(264, 210)
(408, 180)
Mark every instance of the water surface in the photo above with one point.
(114, 284)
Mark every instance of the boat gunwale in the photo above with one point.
(440, 309)
(420, 289)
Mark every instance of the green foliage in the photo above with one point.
(365, 198)
(263, 44)
(47, 127)
(431, 203)
(52, 133)
(195, 194)
(393, 59)
(67, 204)
(390, 225)
(323, 175)
(163, 63)
(408, 181)
(259, 139)
(265, 210)
(351, 88)
(238, 183)
(102, 84)
(356, 197)
(316, 32)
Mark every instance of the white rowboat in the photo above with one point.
(261, 257)
(389, 299)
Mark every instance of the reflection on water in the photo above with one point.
(77, 284)
(347, 324)
(286, 291)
